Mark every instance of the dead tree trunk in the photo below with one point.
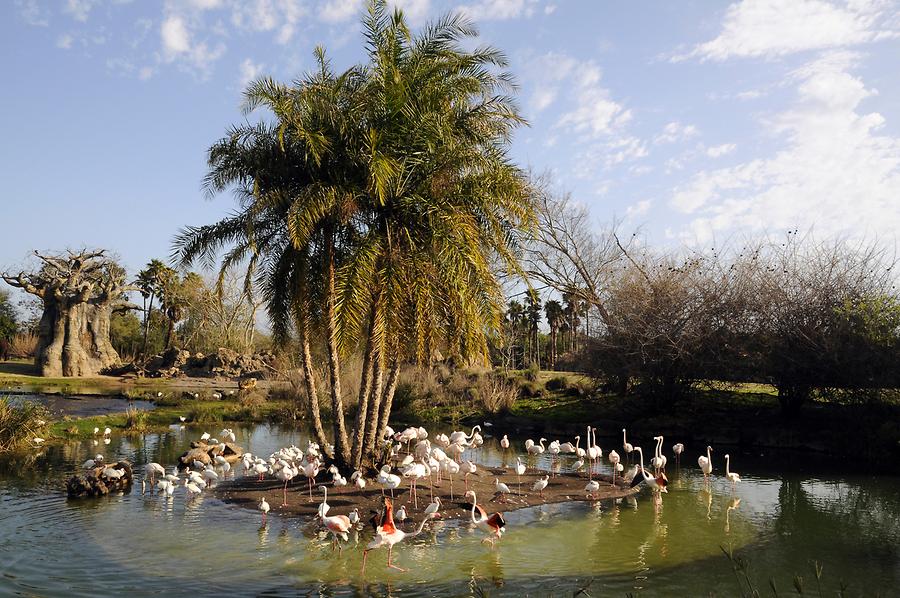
(80, 291)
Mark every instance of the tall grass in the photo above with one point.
(20, 424)
(135, 419)
(23, 345)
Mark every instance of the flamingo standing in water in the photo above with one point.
(338, 525)
(659, 460)
(732, 476)
(504, 442)
(263, 506)
(593, 452)
(311, 470)
(677, 449)
(655, 483)
(387, 534)
(493, 525)
(705, 463)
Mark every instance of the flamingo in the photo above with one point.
(324, 507)
(593, 453)
(614, 459)
(467, 468)
(678, 449)
(732, 476)
(655, 483)
(433, 509)
(338, 525)
(579, 452)
(659, 460)
(311, 470)
(504, 442)
(401, 514)
(626, 446)
(461, 437)
(591, 488)
(358, 480)
(502, 488)
(520, 469)
(493, 525)
(285, 474)
(705, 464)
(354, 516)
(387, 534)
(151, 469)
(541, 484)
(264, 507)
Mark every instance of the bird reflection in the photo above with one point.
(733, 504)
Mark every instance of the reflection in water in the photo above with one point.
(778, 520)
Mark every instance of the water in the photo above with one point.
(779, 519)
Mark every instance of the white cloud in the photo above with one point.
(717, 151)
(146, 72)
(33, 13)
(675, 131)
(772, 28)
(595, 113)
(639, 209)
(549, 9)
(837, 171)
(175, 37)
(179, 45)
(268, 15)
(249, 71)
(79, 9)
(64, 41)
(338, 11)
(499, 10)
(415, 10)
(205, 4)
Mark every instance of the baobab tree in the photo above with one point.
(79, 292)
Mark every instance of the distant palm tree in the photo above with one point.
(553, 310)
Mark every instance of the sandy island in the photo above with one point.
(564, 487)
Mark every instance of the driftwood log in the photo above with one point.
(206, 453)
(97, 481)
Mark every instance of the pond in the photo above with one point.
(779, 519)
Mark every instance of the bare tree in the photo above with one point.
(79, 292)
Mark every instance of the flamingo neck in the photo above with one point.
(708, 454)
(624, 437)
(726, 465)
(473, 508)
(641, 453)
(577, 442)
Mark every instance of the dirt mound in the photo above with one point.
(101, 480)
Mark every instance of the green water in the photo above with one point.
(780, 518)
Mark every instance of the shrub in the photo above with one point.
(135, 419)
(496, 395)
(20, 423)
(531, 389)
(557, 383)
(532, 372)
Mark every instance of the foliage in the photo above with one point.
(135, 419)
(23, 345)
(20, 423)
(8, 320)
(125, 333)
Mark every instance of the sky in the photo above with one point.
(691, 121)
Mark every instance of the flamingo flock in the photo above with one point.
(418, 460)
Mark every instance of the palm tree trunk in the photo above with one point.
(375, 400)
(341, 450)
(147, 325)
(387, 399)
(365, 391)
(170, 327)
(309, 380)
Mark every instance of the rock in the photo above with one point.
(197, 453)
(174, 358)
(95, 483)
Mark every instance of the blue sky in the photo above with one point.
(692, 120)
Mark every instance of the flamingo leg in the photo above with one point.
(390, 564)
(365, 556)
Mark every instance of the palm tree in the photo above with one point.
(533, 318)
(554, 311)
(390, 198)
(149, 284)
